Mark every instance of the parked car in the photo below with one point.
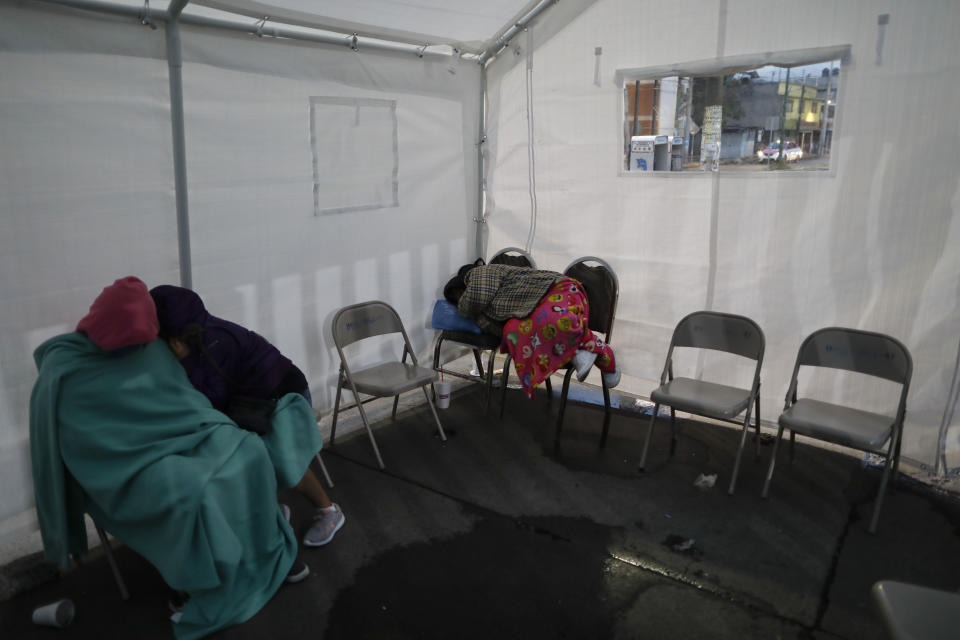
(791, 152)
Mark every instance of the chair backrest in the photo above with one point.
(513, 256)
(365, 320)
(603, 291)
(720, 331)
(859, 351)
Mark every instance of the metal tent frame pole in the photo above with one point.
(175, 66)
(480, 219)
(172, 18)
(506, 34)
(500, 42)
(260, 28)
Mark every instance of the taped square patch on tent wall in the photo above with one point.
(355, 154)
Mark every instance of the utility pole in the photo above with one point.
(800, 102)
(636, 123)
(783, 115)
(826, 112)
(653, 108)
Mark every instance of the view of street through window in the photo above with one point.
(754, 119)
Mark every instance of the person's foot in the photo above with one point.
(177, 600)
(582, 361)
(326, 523)
(299, 571)
(611, 378)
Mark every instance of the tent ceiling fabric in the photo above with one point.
(468, 25)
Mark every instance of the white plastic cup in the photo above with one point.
(56, 614)
(443, 394)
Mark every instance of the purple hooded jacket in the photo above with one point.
(231, 361)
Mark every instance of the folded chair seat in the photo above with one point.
(391, 378)
(845, 426)
(483, 341)
(703, 397)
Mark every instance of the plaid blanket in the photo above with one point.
(497, 292)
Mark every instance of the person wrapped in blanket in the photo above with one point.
(225, 360)
(118, 431)
(541, 316)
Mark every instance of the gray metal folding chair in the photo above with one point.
(911, 611)
(366, 320)
(326, 474)
(725, 332)
(861, 352)
(483, 341)
(602, 287)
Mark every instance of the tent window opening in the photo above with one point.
(752, 118)
(355, 156)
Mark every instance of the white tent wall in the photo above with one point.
(872, 243)
(87, 190)
(86, 194)
(260, 254)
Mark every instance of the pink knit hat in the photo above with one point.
(122, 315)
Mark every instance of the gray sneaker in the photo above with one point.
(611, 378)
(298, 572)
(582, 361)
(325, 526)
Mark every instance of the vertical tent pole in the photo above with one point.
(497, 45)
(480, 218)
(175, 66)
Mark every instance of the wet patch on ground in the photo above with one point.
(504, 579)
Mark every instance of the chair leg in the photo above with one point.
(757, 418)
(896, 461)
(673, 431)
(396, 403)
(646, 442)
(773, 462)
(366, 424)
(124, 594)
(736, 462)
(336, 410)
(436, 353)
(793, 444)
(323, 468)
(563, 400)
(476, 358)
(489, 382)
(894, 446)
(549, 389)
(504, 379)
(426, 394)
(606, 413)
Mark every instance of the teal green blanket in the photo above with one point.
(127, 438)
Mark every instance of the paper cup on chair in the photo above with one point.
(55, 614)
(443, 394)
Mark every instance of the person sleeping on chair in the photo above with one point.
(118, 431)
(224, 360)
(541, 317)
